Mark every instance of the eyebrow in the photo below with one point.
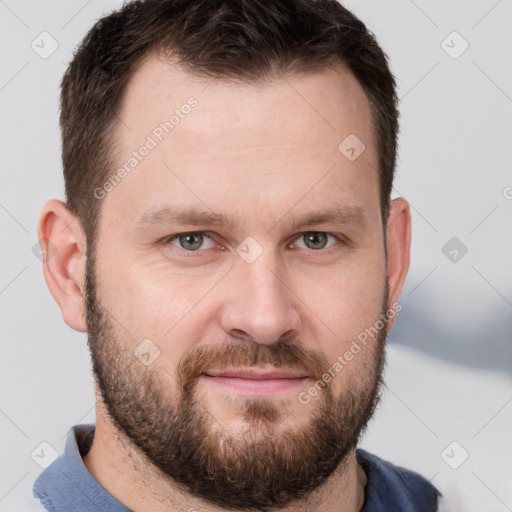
(167, 216)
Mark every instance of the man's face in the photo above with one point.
(207, 346)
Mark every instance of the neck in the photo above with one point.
(129, 477)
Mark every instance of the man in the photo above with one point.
(230, 247)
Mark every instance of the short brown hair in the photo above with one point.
(232, 39)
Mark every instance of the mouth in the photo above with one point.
(256, 382)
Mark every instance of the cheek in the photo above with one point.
(354, 316)
(150, 304)
(347, 304)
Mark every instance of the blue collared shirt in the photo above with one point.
(66, 485)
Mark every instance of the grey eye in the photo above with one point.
(190, 241)
(315, 239)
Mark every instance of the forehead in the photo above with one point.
(331, 100)
(230, 145)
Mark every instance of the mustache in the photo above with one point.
(282, 354)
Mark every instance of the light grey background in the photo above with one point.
(449, 371)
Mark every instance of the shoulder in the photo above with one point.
(391, 487)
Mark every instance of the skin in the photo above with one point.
(261, 155)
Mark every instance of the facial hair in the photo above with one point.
(265, 467)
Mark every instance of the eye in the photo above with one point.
(190, 241)
(317, 240)
(194, 241)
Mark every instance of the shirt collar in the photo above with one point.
(67, 484)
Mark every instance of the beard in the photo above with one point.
(265, 467)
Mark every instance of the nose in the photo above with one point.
(259, 304)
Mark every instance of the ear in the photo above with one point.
(63, 246)
(398, 246)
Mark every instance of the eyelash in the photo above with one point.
(167, 241)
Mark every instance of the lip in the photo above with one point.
(256, 382)
(254, 373)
